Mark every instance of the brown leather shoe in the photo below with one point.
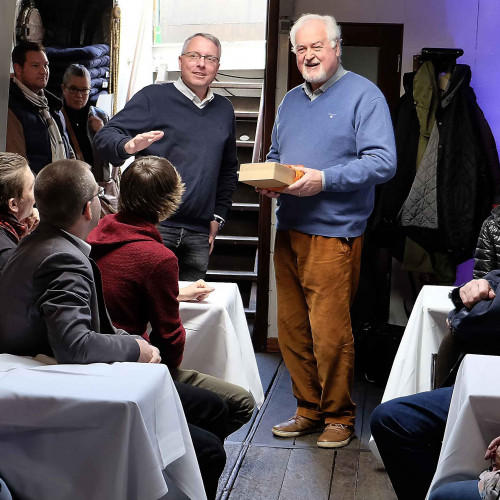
(335, 436)
(297, 426)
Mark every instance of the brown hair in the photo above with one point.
(12, 167)
(62, 189)
(19, 52)
(150, 188)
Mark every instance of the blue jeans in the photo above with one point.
(191, 249)
(460, 490)
(408, 432)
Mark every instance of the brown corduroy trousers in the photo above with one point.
(316, 280)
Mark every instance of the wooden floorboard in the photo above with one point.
(271, 468)
(308, 474)
(373, 482)
(373, 397)
(261, 474)
(345, 471)
(232, 453)
(281, 407)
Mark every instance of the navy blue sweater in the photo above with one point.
(200, 143)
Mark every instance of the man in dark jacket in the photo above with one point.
(35, 126)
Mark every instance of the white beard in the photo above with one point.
(319, 75)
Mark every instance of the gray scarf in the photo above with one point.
(40, 101)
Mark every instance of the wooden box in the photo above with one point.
(266, 175)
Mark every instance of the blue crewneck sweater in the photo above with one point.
(200, 143)
(347, 133)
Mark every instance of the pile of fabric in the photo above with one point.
(94, 57)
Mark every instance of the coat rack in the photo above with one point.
(442, 58)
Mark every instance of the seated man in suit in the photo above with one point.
(51, 294)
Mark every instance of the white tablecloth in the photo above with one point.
(218, 341)
(473, 420)
(99, 432)
(411, 370)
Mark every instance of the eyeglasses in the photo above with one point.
(196, 56)
(76, 90)
(100, 194)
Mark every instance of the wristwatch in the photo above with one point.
(454, 296)
(220, 221)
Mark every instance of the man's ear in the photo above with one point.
(13, 205)
(179, 62)
(87, 211)
(17, 69)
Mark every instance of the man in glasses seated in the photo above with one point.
(36, 128)
(186, 123)
(83, 121)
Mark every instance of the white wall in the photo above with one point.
(6, 30)
(473, 25)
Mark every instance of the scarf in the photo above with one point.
(40, 101)
(12, 226)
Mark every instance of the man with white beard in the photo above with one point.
(337, 124)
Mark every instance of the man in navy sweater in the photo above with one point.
(194, 129)
(338, 124)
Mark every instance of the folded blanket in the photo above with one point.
(93, 98)
(100, 83)
(102, 72)
(60, 66)
(71, 54)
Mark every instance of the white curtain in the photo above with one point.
(136, 56)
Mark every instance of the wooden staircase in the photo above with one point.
(236, 251)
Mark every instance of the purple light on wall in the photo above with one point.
(486, 74)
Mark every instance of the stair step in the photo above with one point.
(238, 240)
(224, 275)
(246, 207)
(249, 313)
(245, 144)
(246, 114)
(236, 85)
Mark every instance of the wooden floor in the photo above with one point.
(262, 467)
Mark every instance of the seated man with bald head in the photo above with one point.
(50, 292)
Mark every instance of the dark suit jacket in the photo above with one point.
(52, 303)
(8, 244)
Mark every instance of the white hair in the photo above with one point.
(332, 28)
(208, 36)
